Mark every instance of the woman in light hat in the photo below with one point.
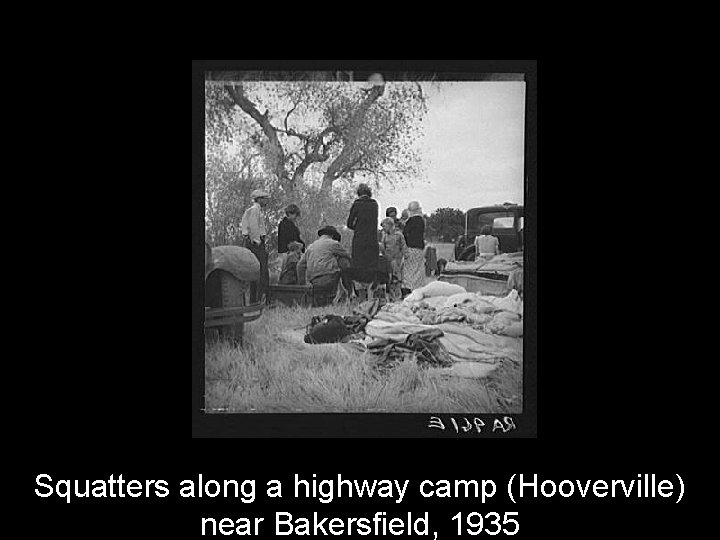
(255, 231)
(414, 233)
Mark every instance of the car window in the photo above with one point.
(497, 220)
(521, 225)
(504, 222)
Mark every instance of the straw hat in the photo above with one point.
(255, 195)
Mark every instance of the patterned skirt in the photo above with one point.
(414, 269)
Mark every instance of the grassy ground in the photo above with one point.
(276, 372)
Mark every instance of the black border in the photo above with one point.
(368, 425)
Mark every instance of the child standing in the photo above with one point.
(393, 245)
(288, 276)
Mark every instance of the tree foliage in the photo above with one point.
(307, 142)
(446, 224)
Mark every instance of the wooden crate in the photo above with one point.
(291, 295)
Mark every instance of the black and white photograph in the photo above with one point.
(365, 242)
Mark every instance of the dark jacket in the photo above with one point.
(287, 232)
(414, 232)
(363, 220)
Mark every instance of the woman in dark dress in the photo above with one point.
(363, 220)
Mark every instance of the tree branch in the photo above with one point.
(293, 133)
(288, 116)
(348, 156)
(383, 173)
(275, 157)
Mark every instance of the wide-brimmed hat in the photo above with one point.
(259, 193)
(330, 231)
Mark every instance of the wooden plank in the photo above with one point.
(239, 317)
(224, 322)
(222, 312)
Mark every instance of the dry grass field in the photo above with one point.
(275, 372)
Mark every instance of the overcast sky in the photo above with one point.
(474, 136)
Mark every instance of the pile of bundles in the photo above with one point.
(424, 347)
(336, 329)
(502, 264)
(505, 262)
(439, 325)
(440, 302)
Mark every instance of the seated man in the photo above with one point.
(320, 265)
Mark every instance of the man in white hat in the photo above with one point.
(255, 230)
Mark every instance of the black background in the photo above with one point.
(104, 384)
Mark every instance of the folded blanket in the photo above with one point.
(462, 342)
(463, 266)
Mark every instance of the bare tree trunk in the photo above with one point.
(350, 156)
(300, 173)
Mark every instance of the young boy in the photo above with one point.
(288, 276)
(393, 246)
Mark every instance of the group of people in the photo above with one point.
(395, 254)
(403, 242)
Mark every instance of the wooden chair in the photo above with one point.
(364, 290)
(370, 291)
(342, 294)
